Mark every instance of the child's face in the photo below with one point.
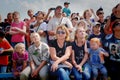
(96, 28)
(21, 49)
(94, 45)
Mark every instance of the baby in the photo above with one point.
(96, 58)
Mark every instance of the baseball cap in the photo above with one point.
(58, 7)
(96, 23)
(66, 3)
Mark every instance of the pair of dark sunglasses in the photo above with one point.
(100, 13)
(60, 32)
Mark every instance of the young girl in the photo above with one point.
(17, 29)
(96, 58)
(20, 58)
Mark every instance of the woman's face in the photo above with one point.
(81, 33)
(40, 16)
(88, 14)
(61, 34)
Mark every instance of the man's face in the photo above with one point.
(58, 11)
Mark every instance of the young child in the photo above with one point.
(96, 58)
(20, 58)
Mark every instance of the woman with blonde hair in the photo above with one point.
(60, 51)
(80, 55)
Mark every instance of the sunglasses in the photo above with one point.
(117, 24)
(100, 13)
(60, 32)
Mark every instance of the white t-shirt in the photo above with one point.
(54, 22)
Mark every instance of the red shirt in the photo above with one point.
(5, 45)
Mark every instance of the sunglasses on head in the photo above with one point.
(60, 32)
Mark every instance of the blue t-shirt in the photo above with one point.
(67, 11)
(94, 58)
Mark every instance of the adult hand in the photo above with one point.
(79, 68)
(54, 66)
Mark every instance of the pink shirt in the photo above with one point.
(20, 58)
(18, 37)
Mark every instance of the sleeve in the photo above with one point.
(52, 43)
(43, 26)
(7, 45)
(30, 53)
(69, 23)
(103, 50)
(14, 57)
(49, 26)
(45, 53)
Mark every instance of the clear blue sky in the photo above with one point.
(75, 5)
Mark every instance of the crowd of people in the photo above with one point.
(65, 44)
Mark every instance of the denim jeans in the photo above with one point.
(77, 74)
(86, 74)
(87, 71)
(61, 73)
(3, 69)
(102, 69)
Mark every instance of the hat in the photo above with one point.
(96, 23)
(99, 11)
(58, 7)
(66, 3)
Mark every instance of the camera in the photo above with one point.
(52, 8)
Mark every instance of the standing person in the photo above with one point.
(100, 14)
(39, 56)
(80, 56)
(96, 58)
(58, 19)
(40, 26)
(19, 59)
(60, 50)
(17, 30)
(87, 16)
(66, 9)
(4, 47)
(114, 16)
(112, 45)
(32, 19)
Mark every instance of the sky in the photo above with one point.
(77, 6)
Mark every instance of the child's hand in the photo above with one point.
(16, 73)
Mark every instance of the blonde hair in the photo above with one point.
(63, 27)
(18, 45)
(95, 40)
(79, 28)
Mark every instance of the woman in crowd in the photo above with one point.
(60, 50)
(80, 55)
